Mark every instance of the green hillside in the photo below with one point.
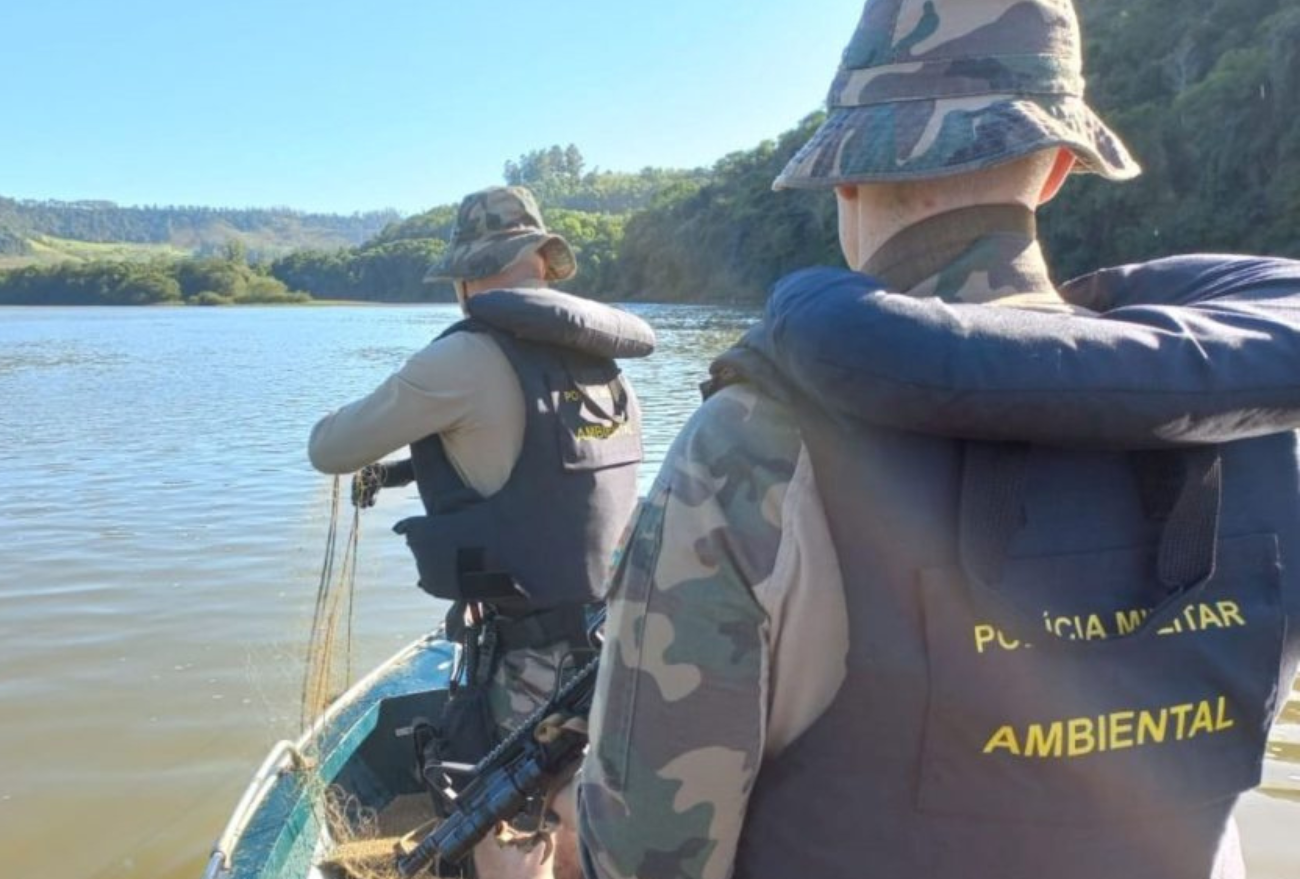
(591, 209)
(1207, 95)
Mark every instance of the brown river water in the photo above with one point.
(160, 538)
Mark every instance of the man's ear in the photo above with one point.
(1060, 172)
(847, 191)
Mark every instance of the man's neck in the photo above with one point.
(977, 254)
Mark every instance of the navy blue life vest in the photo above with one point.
(547, 538)
(1062, 662)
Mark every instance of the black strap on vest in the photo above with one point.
(992, 507)
(991, 511)
(1189, 545)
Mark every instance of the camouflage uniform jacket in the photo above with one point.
(727, 631)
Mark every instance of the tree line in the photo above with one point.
(385, 271)
(590, 209)
(225, 280)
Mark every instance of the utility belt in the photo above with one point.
(466, 731)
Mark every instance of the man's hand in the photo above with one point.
(500, 857)
(369, 479)
(553, 857)
(366, 483)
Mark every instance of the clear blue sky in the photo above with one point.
(335, 106)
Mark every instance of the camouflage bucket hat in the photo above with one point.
(929, 88)
(493, 228)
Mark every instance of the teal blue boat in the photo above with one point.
(352, 771)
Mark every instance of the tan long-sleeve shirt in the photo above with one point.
(460, 387)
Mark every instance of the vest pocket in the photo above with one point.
(455, 555)
(598, 421)
(1092, 716)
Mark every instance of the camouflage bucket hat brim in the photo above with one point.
(494, 228)
(927, 139)
(929, 88)
(468, 262)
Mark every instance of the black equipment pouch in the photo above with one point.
(464, 733)
(452, 561)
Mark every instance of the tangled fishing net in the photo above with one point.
(329, 668)
(366, 842)
(363, 841)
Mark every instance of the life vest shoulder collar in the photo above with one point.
(550, 317)
(1187, 350)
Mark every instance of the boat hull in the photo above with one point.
(357, 747)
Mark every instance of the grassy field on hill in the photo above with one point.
(46, 250)
(42, 233)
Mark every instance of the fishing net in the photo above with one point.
(329, 651)
(362, 840)
(365, 841)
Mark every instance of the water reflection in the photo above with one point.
(37, 356)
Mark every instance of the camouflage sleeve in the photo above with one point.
(679, 719)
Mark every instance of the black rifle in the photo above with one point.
(531, 761)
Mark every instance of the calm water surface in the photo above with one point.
(160, 536)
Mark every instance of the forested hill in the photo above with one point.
(26, 225)
(1206, 94)
(591, 209)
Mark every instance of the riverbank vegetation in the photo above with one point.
(228, 279)
(1207, 97)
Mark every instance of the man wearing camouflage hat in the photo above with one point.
(524, 442)
(844, 642)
